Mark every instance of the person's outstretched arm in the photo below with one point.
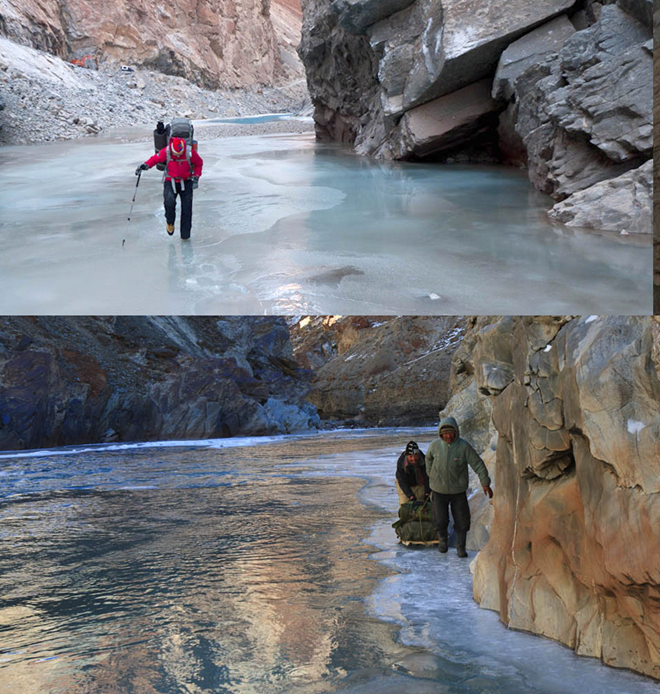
(477, 464)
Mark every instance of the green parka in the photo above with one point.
(446, 464)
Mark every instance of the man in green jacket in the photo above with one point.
(447, 459)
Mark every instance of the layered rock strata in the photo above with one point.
(74, 380)
(214, 43)
(571, 550)
(371, 370)
(570, 90)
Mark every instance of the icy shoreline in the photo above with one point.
(47, 99)
(429, 598)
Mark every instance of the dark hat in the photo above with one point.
(412, 448)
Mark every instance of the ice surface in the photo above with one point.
(193, 569)
(468, 649)
(285, 225)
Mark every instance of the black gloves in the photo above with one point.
(142, 167)
(195, 182)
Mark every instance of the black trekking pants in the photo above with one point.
(460, 511)
(185, 190)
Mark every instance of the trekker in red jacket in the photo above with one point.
(179, 180)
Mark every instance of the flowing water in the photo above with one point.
(246, 566)
(285, 225)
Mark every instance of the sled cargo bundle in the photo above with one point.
(414, 525)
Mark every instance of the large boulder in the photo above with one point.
(470, 41)
(444, 123)
(578, 472)
(621, 204)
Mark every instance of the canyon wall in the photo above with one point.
(563, 87)
(214, 43)
(377, 371)
(656, 166)
(571, 549)
(67, 380)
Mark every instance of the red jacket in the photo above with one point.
(177, 168)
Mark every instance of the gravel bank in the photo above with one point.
(48, 99)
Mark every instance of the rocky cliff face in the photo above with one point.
(378, 370)
(563, 87)
(575, 404)
(656, 169)
(73, 380)
(214, 43)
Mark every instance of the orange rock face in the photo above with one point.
(215, 43)
(574, 543)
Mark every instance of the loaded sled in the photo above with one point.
(414, 526)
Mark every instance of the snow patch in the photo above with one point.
(548, 348)
(591, 319)
(635, 427)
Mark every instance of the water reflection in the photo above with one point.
(210, 571)
(235, 566)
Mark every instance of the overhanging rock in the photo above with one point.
(469, 44)
(443, 124)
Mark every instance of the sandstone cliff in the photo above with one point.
(572, 549)
(562, 87)
(377, 371)
(214, 43)
(66, 380)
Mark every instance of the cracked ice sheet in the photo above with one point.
(282, 224)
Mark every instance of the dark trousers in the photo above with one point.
(460, 511)
(169, 197)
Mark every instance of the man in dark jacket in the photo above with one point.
(447, 460)
(412, 482)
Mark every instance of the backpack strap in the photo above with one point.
(167, 161)
(189, 158)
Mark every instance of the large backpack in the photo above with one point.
(179, 127)
(414, 524)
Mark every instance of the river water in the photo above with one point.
(246, 566)
(285, 225)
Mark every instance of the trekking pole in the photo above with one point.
(130, 212)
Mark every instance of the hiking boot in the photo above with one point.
(170, 229)
(460, 544)
(442, 544)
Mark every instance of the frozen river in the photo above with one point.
(285, 225)
(246, 566)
